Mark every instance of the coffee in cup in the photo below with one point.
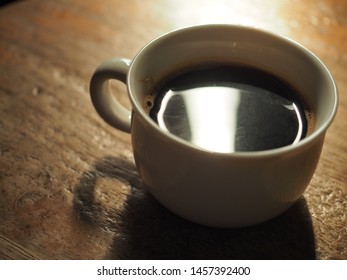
(227, 122)
(230, 108)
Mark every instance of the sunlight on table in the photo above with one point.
(257, 13)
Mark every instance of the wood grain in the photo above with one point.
(68, 185)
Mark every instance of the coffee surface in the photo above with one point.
(230, 108)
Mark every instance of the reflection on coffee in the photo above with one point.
(229, 108)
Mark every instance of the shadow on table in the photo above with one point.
(144, 229)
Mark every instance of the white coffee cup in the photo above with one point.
(211, 188)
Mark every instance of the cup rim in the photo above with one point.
(247, 154)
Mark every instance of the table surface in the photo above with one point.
(69, 188)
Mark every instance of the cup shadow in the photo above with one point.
(144, 229)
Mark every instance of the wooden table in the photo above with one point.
(68, 185)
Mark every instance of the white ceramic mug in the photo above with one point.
(218, 189)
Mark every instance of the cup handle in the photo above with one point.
(104, 102)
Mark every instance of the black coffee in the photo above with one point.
(228, 108)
